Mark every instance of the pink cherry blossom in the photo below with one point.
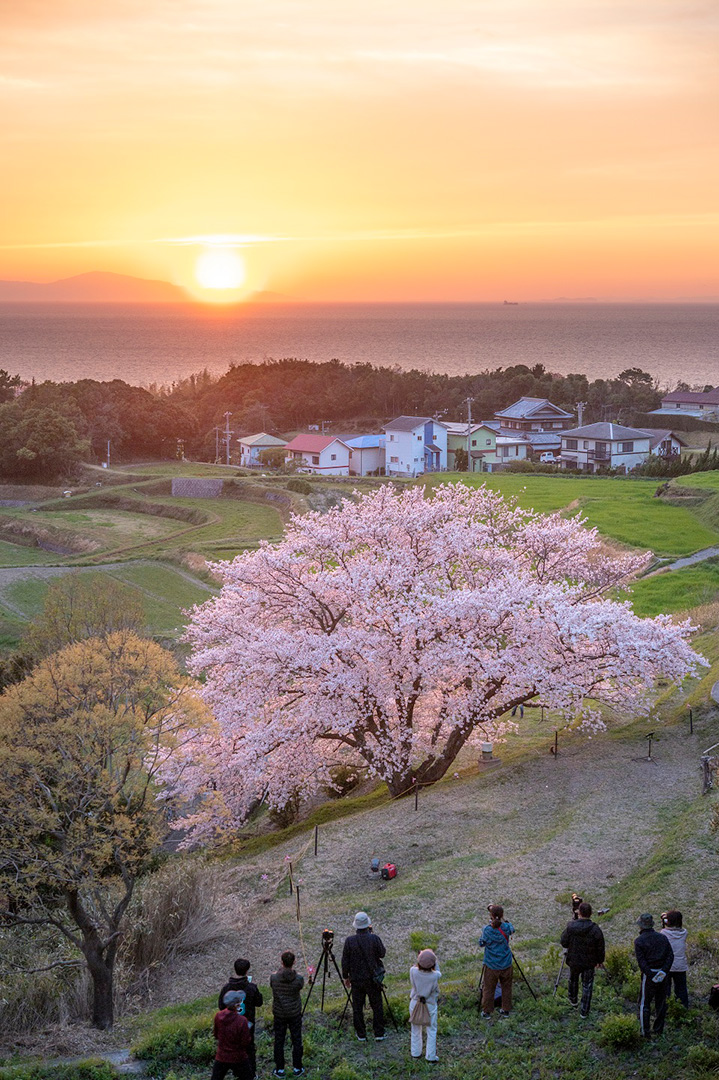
(394, 630)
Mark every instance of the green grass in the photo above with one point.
(163, 591)
(677, 590)
(22, 555)
(625, 510)
(705, 481)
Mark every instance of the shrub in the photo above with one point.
(300, 486)
(345, 778)
(701, 1056)
(92, 1069)
(188, 1041)
(618, 964)
(173, 912)
(619, 1032)
(345, 1071)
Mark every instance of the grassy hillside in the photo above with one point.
(625, 510)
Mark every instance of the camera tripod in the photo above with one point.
(324, 963)
(386, 1002)
(519, 969)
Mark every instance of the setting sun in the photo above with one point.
(217, 269)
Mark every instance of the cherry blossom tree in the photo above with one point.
(395, 629)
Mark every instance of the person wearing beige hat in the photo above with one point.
(363, 972)
(424, 979)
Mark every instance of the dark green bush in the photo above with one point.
(188, 1041)
(619, 1032)
(618, 964)
(92, 1069)
(300, 486)
(701, 1056)
(345, 778)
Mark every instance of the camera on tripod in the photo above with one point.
(576, 901)
(328, 937)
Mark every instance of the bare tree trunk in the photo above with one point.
(103, 1012)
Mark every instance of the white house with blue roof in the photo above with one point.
(415, 445)
(367, 454)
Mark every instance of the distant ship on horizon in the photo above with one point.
(511, 303)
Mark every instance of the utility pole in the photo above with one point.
(108, 453)
(580, 412)
(227, 437)
(217, 443)
(469, 434)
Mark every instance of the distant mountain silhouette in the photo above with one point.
(94, 288)
(100, 287)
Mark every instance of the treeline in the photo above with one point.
(48, 429)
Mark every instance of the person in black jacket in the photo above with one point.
(655, 957)
(287, 1012)
(361, 963)
(584, 942)
(253, 1000)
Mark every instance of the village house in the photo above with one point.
(325, 455)
(367, 455)
(604, 446)
(251, 447)
(665, 443)
(688, 403)
(482, 441)
(538, 421)
(415, 445)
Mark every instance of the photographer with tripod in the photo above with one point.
(584, 942)
(363, 972)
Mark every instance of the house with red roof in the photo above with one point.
(325, 455)
(690, 403)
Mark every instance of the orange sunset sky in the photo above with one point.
(365, 149)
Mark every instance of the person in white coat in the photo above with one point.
(673, 929)
(424, 979)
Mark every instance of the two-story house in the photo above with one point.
(415, 445)
(325, 455)
(604, 446)
(689, 403)
(538, 421)
(479, 440)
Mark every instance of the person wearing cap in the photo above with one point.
(424, 979)
(655, 957)
(232, 1032)
(253, 999)
(497, 961)
(363, 971)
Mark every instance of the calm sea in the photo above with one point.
(144, 344)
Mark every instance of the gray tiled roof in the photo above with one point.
(407, 423)
(605, 431)
(528, 406)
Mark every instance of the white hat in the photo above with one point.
(362, 921)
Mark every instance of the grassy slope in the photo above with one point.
(625, 510)
(629, 834)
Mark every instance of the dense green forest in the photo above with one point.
(47, 429)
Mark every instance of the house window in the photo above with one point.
(391, 437)
(572, 444)
(333, 457)
(315, 459)
(474, 442)
(419, 437)
(585, 444)
(626, 448)
(394, 460)
(488, 442)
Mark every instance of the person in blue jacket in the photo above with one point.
(497, 961)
